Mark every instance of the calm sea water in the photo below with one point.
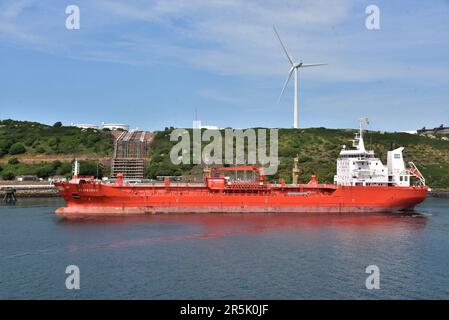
(224, 256)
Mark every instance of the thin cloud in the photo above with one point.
(235, 37)
(218, 95)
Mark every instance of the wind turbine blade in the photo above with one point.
(304, 65)
(283, 47)
(286, 83)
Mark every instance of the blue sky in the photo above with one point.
(151, 63)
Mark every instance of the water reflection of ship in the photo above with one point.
(219, 225)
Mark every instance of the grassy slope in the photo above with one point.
(41, 139)
(318, 149)
(45, 144)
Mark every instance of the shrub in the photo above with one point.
(53, 142)
(13, 161)
(64, 169)
(45, 172)
(40, 150)
(4, 146)
(29, 141)
(8, 176)
(56, 164)
(17, 148)
(89, 168)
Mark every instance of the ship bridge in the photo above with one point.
(359, 166)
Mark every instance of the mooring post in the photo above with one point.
(10, 195)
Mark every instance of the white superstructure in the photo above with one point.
(359, 167)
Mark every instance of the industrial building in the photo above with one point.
(110, 126)
(130, 149)
(84, 125)
(115, 126)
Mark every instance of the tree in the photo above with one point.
(4, 146)
(57, 124)
(45, 172)
(17, 148)
(64, 169)
(8, 176)
(56, 164)
(89, 168)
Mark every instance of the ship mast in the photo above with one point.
(295, 170)
(358, 142)
(206, 170)
(75, 169)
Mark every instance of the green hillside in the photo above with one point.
(318, 149)
(40, 141)
(19, 137)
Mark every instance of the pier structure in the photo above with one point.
(10, 195)
(130, 149)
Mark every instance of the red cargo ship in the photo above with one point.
(362, 184)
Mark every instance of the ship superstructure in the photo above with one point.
(360, 167)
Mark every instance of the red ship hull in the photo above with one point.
(90, 198)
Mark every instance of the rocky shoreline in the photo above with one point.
(38, 192)
(439, 193)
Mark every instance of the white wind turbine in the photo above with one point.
(294, 68)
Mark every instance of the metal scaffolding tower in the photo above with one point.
(130, 149)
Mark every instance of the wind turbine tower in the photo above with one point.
(294, 70)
